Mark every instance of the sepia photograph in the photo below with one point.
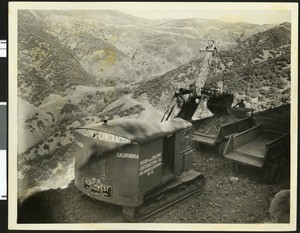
(162, 116)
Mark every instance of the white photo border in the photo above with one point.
(12, 103)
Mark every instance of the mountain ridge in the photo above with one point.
(80, 51)
(114, 45)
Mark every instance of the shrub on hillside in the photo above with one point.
(46, 147)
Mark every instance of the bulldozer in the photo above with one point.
(142, 166)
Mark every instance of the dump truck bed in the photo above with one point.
(225, 130)
(255, 146)
(209, 139)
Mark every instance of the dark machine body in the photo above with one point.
(265, 146)
(142, 166)
(218, 102)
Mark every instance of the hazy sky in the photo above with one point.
(250, 13)
(257, 13)
(233, 16)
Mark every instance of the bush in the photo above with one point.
(262, 98)
(46, 147)
(254, 94)
(52, 164)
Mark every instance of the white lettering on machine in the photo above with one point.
(103, 136)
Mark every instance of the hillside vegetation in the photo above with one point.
(257, 70)
(45, 66)
(66, 48)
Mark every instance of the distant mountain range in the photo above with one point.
(67, 48)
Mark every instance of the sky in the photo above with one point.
(250, 12)
(225, 12)
(255, 17)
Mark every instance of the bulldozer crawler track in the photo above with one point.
(163, 200)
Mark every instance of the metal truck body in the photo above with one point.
(264, 146)
(223, 133)
(122, 161)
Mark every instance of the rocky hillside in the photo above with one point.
(111, 46)
(45, 66)
(257, 70)
(224, 32)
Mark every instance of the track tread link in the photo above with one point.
(161, 200)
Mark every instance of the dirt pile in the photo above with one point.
(281, 112)
(212, 124)
(66, 206)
